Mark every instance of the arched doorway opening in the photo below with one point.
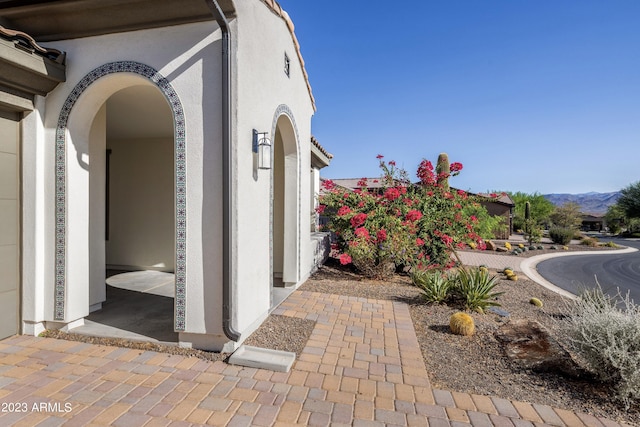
(139, 220)
(120, 167)
(285, 216)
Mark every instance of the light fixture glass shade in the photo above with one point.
(264, 152)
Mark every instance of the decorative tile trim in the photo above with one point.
(180, 182)
(284, 109)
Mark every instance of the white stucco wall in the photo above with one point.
(97, 161)
(189, 57)
(262, 86)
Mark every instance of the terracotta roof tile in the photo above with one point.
(315, 142)
(278, 10)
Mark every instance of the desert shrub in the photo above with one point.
(398, 224)
(474, 288)
(589, 241)
(605, 331)
(610, 244)
(434, 285)
(561, 236)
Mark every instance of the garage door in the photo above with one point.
(9, 226)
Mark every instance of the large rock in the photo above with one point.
(490, 245)
(501, 249)
(530, 344)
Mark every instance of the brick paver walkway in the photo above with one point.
(361, 366)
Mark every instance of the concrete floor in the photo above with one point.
(139, 307)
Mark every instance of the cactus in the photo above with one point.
(442, 170)
(513, 277)
(521, 245)
(540, 247)
(532, 248)
(507, 271)
(507, 245)
(462, 324)
(536, 302)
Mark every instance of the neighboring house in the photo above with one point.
(591, 222)
(503, 206)
(129, 141)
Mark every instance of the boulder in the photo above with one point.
(501, 249)
(529, 343)
(490, 245)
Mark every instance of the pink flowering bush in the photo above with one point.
(400, 224)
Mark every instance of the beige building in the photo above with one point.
(154, 135)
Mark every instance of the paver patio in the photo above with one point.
(361, 366)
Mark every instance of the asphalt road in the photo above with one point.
(575, 273)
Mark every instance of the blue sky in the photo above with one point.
(528, 95)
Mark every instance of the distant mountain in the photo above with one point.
(591, 203)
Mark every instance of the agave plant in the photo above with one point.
(475, 288)
(434, 285)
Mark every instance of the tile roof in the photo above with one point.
(25, 41)
(315, 142)
(278, 10)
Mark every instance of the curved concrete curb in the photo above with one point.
(528, 267)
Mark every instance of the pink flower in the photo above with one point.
(461, 192)
(473, 218)
(345, 259)
(425, 173)
(320, 209)
(392, 193)
(455, 167)
(358, 220)
(362, 182)
(413, 215)
(379, 156)
(447, 240)
(419, 241)
(362, 232)
(344, 210)
(392, 162)
(328, 184)
(381, 236)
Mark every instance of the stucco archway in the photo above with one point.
(285, 215)
(75, 131)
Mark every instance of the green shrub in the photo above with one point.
(561, 236)
(605, 331)
(434, 285)
(474, 288)
(610, 244)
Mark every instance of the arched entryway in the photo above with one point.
(285, 201)
(120, 186)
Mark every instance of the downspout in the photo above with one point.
(227, 182)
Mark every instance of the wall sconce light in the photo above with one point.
(262, 147)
